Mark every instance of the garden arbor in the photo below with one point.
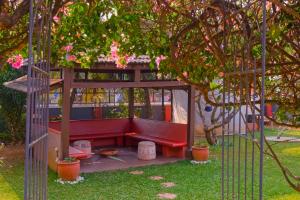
(136, 75)
(225, 37)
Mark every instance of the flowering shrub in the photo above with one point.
(12, 108)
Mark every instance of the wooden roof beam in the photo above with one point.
(141, 84)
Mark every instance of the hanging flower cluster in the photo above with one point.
(16, 61)
(68, 49)
(121, 60)
(65, 11)
(114, 48)
(159, 59)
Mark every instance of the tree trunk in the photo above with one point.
(148, 111)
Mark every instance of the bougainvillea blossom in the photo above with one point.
(159, 59)
(70, 57)
(68, 48)
(16, 61)
(56, 18)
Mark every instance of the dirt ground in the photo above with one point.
(11, 154)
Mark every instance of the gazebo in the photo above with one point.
(175, 139)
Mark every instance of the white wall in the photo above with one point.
(180, 99)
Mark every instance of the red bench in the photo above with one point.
(171, 137)
(99, 132)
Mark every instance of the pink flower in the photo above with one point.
(71, 57)
(121, 60)
(65, 11)
(68, 48)
(185, 74)
(16, 61)
(221, 74)
(114, 49)
(10, 60)
(17, 65)
(56, 18)
(159, 59)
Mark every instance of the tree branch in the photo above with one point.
(7, 21)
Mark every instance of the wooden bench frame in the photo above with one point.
(170, 147)
(130, 136)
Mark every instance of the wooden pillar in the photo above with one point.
(137, 75)
(163, 104)
(65, 133)
(172, 117)
(131, 103)
(191, 119)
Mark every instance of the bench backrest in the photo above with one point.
(95, 127)
(160, 129)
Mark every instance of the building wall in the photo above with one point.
(180, 99)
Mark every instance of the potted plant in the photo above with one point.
(200, 151)
(68, 169)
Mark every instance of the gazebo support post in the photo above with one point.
(131, 103)
(163, 104)
(66, 108)
(171, 105)
(191, 120)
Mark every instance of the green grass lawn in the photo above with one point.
(192, 181)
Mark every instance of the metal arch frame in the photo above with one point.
(36, 154)
(235, 178)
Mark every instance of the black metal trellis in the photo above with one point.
(243, 137)
(35, 181)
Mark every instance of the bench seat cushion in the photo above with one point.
(161, 141)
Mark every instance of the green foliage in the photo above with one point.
(69, 159)
(120, 112)
(201, 143)
(2, 123)
(12, 107)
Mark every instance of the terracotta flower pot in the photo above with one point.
(68, 170)
(200, 153)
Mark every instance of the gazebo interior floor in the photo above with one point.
(127, 158)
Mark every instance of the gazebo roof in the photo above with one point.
(20, 84)
(143, 59)
(105, 63)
